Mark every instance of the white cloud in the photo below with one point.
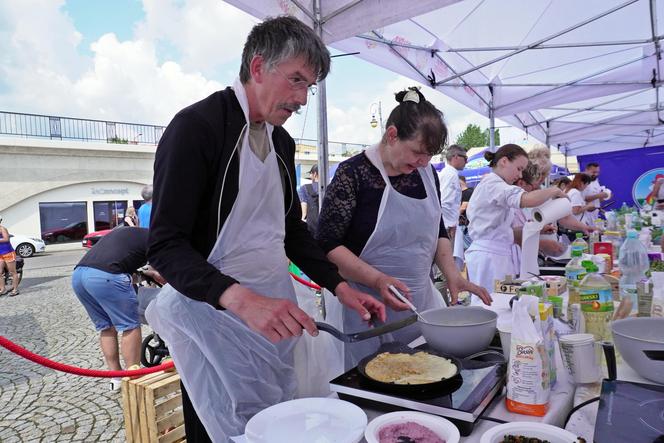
(350, 123)
(42, 69)
(207, 33)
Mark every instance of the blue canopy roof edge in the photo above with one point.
(477, 167)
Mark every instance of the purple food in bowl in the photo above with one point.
(407, 431)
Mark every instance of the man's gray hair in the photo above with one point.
(281, 38)
(453, 150)
(146, 193)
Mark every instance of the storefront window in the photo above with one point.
(109, 214)
(63, 222)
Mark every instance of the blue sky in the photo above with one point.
(94, 18)
(143, 60)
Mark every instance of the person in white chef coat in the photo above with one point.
(580, 209)
(492, 254)
(450, 188)
(381, 221)
(594, 193)
(226, 219)
(450, 202)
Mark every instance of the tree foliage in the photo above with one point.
(473, 136)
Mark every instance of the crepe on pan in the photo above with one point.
(410, 369)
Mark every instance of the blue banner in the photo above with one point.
(629, 174)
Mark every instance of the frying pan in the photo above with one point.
(440, 387)
(369, 333)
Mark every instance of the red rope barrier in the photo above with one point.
(305, 283)
(84, 372)
(21, 351)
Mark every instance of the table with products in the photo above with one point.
(561, 399)
(560, 404)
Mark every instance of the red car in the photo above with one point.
(67, 233)
(92, 238)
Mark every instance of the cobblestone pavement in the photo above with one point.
(41, 405)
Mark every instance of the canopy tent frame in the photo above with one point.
(435, 52)
(318, 22)
(543, 109)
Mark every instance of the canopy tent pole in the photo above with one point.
(492, 123)
(547, 181)
(323, 161)
(653, 30)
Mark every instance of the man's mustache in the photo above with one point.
(292, 107)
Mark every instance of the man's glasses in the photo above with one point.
(298, 84)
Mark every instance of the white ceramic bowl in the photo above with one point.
(632, 336)
(459, 330)
(438, 425)
(306, 420)
(528, 429)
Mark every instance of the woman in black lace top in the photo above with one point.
(381, 220)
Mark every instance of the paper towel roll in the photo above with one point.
(552, 211)
(549, 212)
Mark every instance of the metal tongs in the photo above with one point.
(369, 333)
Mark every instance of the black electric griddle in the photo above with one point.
(462, 400)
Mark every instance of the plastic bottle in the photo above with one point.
(574, 273)
(636, 221)
(592, 239)
(633, 260)
(596, 302)
(580, 244)
(611, 221)
(624, 209)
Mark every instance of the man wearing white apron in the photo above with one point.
(225, 221)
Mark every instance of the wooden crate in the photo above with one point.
(152, 407)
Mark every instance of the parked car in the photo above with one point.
(73, 231)
(26, 246)
(92, 238)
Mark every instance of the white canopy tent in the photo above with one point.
(583, 76)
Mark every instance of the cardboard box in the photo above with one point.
(644, 296)
(507, 286)
(556, 285)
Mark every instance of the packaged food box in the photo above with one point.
(604, 248)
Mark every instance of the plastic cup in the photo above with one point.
(505, 332)
(580, 357)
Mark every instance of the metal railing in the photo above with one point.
(68, 128)
(333, 148)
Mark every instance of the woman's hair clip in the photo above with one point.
(411, 96)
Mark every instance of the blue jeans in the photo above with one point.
(109, 299)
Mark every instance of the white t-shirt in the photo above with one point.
(490, 210)
(450, 195)
(577, 200)
(592, 189)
